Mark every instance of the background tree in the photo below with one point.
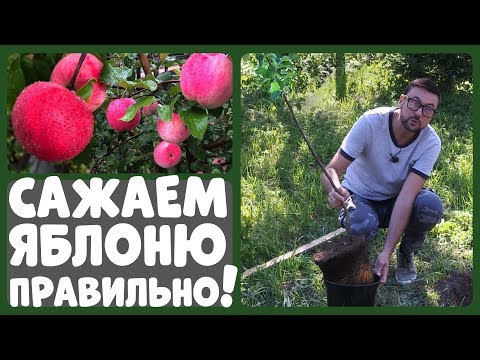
(340, 81)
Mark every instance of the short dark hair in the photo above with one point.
(426, 83)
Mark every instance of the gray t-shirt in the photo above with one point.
(371, 146)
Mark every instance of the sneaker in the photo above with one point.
(406, 272)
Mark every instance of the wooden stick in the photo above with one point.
(297, 251)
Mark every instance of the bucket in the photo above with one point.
(351, 295)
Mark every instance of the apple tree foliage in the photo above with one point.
(207, 150)
(301, 72)
(295, 73)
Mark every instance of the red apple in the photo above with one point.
(150, 109)
(116, 109)
(51, 122)
(91, 67)
(173, 131)
(167, 155)
(207, 79)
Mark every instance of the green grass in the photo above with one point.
(283, 205)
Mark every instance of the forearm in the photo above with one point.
(327, 186)
(398, 222)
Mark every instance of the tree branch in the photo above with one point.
(160, 83)
(168, 81)
(140, 90)
(226, 162)
(145, 64)
(77, 70)
(132, 95)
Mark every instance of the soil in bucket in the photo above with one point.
(347, 272)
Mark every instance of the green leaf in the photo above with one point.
(196, 120)
(195, 166)
(150, 77)
(294, 56)
(174, 90)
(141, 83)
(136, 158)
(126, 84)
(163, 96)
(274, 86)
(262, 71)
(42, 69)
(113, 75)
(28, 71)
(196, 149)
(165, 112)
(15, 79)
(49, 58)
(132, 109)
(273, 58)
(148, 84)
(99, 152)
(86, 90)
(165, 76)
(163, 56)
(275, 95)
(260, 58)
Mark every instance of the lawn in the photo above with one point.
(283, 205)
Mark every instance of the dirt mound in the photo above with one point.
(456, 289)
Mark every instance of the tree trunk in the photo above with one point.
(340, 78)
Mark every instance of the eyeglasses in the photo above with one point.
(414, 104)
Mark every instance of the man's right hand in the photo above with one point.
(336, 200)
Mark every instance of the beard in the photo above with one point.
(411, 124)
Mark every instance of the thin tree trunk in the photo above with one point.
(340, 79)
